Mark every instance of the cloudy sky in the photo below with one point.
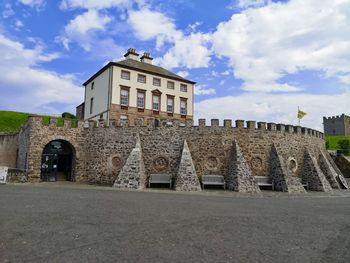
(251, 59)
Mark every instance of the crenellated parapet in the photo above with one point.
(103, 151)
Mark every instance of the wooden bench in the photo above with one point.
(264, 181)
(160, 179)
(213, 180)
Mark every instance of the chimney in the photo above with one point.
(131, 54)
(146, 58)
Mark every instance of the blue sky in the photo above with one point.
(251, 59)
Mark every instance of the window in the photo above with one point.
(183, 87)
(125, 75)
(141, 99)
(92, 85)
(123, 120)
(183, 107)
(156, 102)
(170, 104)
(156, 82)
(91, 105)
(170, 85)
(124, 97)
(141, 78)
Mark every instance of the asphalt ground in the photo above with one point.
(80, 223)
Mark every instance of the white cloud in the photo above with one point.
(33, 3)
(203, 90)
(252, 3)
(8, 11)
(32, 88)
(90, 20)
(85, 30)
(189, 51)
(18, 24)
(279, 108)
(183, 73)
(93, 4)
(266, 43)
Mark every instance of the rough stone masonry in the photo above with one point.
(125, 156)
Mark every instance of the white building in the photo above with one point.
(135, 89)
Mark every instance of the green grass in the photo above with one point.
(11, 121)
(333, 141)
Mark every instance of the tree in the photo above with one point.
(67, 115)
(344, 145)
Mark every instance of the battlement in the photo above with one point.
(55, 122)
(337, 117)
(214, 124)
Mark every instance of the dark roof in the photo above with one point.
(143, 67)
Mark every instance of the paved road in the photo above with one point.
(89, 224)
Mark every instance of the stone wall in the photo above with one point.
(343, 163)
(101, 152)
(337, 125)
(8, 149)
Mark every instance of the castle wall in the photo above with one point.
(335, 126)
(23, 147)
(101, 152)
(347, 125)
(39, 135)
(108, 148)
(8, 149)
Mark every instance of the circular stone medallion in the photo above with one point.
(256, 163)
(160, 163)
(212, 163)
(116, 161)
(292, 164)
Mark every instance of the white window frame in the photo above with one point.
(183, 87)
(183, 110)
(155, 82)
(170, 110)
(143, 99)
(124, 76)
(173, 84)
(156, 103)
(122, 97)
(140, 77)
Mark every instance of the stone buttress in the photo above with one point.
(187, 179)
(328, 171)
(282, 177)
(240, 176)
(133, 174)
(313, 174)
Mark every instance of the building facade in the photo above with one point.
(337, 125)
(134, 90)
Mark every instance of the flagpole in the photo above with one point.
(298, 116)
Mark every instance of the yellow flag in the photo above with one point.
(301, 114)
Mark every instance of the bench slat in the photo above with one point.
(160, 179)
(213, 180)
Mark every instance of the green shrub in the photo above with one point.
(46, 120)
(345, 146)
(60, 121)
(67, 115)
(327, 144)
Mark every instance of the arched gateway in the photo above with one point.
(57, 161)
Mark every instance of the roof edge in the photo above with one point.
(111, 63)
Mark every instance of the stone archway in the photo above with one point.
(57, 162)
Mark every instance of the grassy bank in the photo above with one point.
(11, 121)
(333, 141)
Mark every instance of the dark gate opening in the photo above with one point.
(57, 162)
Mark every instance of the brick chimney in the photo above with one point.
(131, 54)
(146, 58)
